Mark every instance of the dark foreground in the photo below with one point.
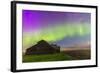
(79, 54)
(47, 57)
(64, 55)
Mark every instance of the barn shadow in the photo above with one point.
(43, 47)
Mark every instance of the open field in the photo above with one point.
(65, 54)
(47, 57)
(78, 53)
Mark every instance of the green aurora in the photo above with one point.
(55, 33)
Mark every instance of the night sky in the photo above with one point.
(62, 28)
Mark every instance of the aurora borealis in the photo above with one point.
(63, 28)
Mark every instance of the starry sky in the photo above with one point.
(62, 28)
